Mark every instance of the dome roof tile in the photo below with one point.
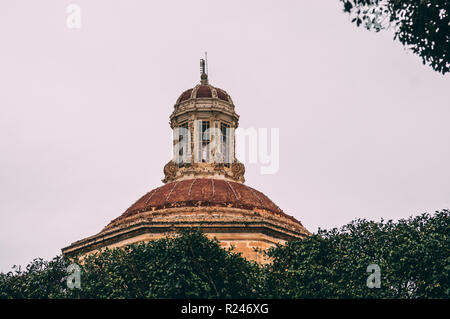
(204, 91)
(202, 192)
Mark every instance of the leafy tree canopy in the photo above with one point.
(413, 257)
(421, 25)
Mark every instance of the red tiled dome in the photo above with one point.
(186, 95)
(221, 94)
(204, 91)
(203, 192)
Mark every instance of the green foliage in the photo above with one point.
(40, 279)
(185, 266)
(413, 256)
(421, 25)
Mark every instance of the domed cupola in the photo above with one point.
(203, 123)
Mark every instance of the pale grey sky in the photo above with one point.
(84, 113)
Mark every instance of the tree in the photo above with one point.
(421, 25)
(188, 265)
(185, 266)
(413, 256)
(40, 279)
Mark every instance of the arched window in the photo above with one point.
(225, 143)
(183, 131)
(204, 140)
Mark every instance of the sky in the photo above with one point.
(84, 112)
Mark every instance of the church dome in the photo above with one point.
(204, 187)
(205, 91)
(203, 192)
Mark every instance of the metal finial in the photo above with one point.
(206, 63)
(203, 72)
(202, 66)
